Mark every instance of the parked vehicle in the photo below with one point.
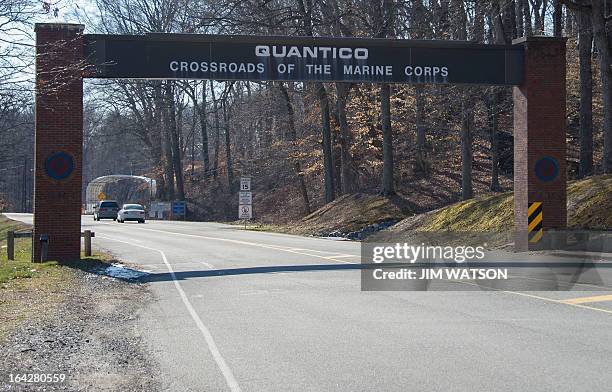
(131, 212)
(106, 209)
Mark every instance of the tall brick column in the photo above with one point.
(539, 136)
(59, 140)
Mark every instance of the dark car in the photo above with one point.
(106, 209)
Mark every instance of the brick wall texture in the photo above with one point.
(59, 129)
(539, 132)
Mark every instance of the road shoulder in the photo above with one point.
(80, 324)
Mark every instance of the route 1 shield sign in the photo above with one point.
(245, 211)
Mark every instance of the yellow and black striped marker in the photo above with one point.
(534, 220)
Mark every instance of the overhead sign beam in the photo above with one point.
(180, 56)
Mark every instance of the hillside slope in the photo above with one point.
(589, 206)
(350, 213)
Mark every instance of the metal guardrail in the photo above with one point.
(44, 240)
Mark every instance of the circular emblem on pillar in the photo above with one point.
(59, 166)
(546, 169)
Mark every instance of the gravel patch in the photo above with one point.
(90, 336)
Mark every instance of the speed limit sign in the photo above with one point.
(245, 211)
(245, 183)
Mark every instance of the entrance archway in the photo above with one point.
(535, 66)
(123, 188)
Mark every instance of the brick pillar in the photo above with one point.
(539, 136)
(59, 139)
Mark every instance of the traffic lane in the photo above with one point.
(214, 230)
(175, 338)
(238, 253)
(197, 285)
(317, 331)
(192, 251)
(235, 232)
(164, 231)
(198, 255)
(194, 288)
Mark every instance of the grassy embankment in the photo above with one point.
(346, 214)
(589, 206)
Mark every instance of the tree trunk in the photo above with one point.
(467, 122)
(204, 133)
(569, 22)
(420, 129)
(328, 159)
(557, 18)
(527, 19)
(167, 145)
(494, 139)
(349, 182)
(177, 163)
(585, 45)
(217, 132)
(292, 137)
(520, 25)
(228, 151)
(305, 8)
(538, 21)
(603, 41)
(388, 187)
(512, 19)
(157, 140)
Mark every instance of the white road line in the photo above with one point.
(556, 301)
(208, 265)
(289, 250)
(212, 346)
(343, 256)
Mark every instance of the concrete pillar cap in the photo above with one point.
(538, 38)
(59, 26)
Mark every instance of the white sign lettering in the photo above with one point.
(311, 52)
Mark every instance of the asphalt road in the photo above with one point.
(305, 330)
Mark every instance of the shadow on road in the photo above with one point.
(182, 275)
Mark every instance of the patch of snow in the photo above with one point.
(120, 271)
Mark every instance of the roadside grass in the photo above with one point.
(353, 212)
(347, 213)
(23, 251)
(29, 290)
(589, 203)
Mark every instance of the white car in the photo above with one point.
(131, 212)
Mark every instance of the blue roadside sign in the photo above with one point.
(179, 208)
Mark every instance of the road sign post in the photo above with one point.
(245, 200)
